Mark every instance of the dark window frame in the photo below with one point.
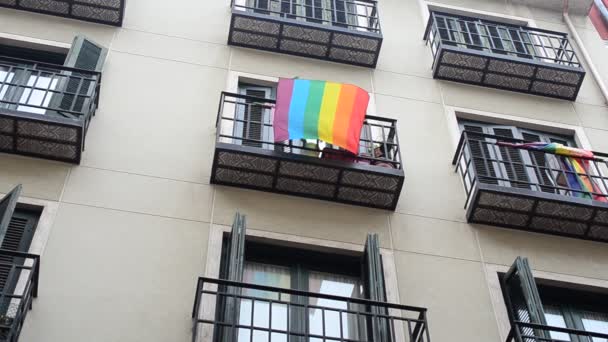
(528, 300)
(299, 260)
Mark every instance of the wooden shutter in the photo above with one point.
(485, 168)
(523, 301)
(236, 252)
(512, 163)
(490, 160)
(84, 54)
(543, 176)
(254, 117)
(18, 238)
(7, 207)
(375, 289)
(235, 263)
(16, 232)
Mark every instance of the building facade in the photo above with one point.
(146, 199)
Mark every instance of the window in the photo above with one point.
(499, 37)
(511, 167)
(27, 86)
(354, 14)
(17, 227)
(316, 272)
(482, 35)
(253, 118)
(552, 306)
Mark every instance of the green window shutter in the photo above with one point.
(17, 231)
(84, 54)
(7, 207)
(485, 169)
(18, 238)
(375, 289)
(523, 301)
(512, 160)
(229, 306)
(236, 254)
(500, 162)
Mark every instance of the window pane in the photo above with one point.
(337, 285)
(555, 318)
(37, 93)
(596, 322)
(256, 312)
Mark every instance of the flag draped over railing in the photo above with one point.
(575, 164)
(328, 111)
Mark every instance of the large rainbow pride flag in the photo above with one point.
(328, 111)
(575, 164)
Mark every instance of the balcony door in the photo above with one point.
(253, 117)
(512, 167)
(264, 315)
(476, 34)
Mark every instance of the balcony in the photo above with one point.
(109, 12)
(265, 311)
(45, 109)
(19, 282)
(524, 332)
(343, 31)
(246, 156)
(502, 56)
(530, 190)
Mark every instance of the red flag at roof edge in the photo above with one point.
(599, 21)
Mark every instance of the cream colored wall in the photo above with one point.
(130, 236)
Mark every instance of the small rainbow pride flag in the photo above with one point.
(328, 111)
(575, 164)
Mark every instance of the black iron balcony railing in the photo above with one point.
(265, 313)
(531, 332)
(344, 31)
(19, 283)
(247, 156)
(109, 12)
(45, 109)
(498, 55)
(532, 190)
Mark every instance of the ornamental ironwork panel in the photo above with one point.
(45, 109)
(533, 191)
(344, 31)
(498, 55)
(109, 12)
(247, 156)
(283, 314)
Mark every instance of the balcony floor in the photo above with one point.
(507, 72)
(278, 172)
(539, 212)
